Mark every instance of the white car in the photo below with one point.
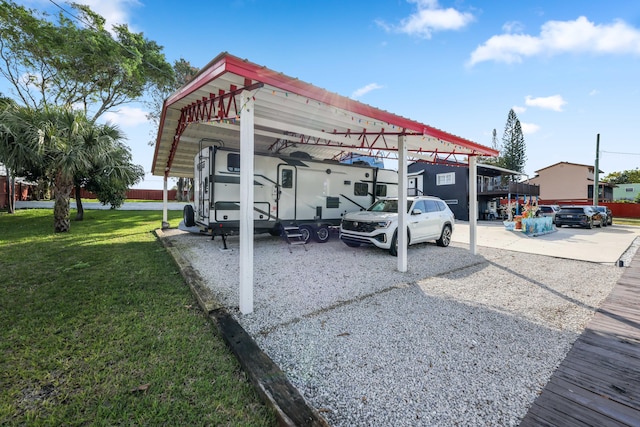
(429, 219)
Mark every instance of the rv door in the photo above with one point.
(286, 201)
(204, 186)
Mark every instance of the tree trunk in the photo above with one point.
(61, 193)
(180, 192)
(79, 207)
(11, 192)
(12, 200)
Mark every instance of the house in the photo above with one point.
(566, 182)
(627, 192)
(450, 182)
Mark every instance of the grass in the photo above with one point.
(626, 221)
(98, 328)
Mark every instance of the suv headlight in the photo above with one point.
(383, 224)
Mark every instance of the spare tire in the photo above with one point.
(188, 216)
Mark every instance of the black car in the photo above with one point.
(607, 215)
(583, 216)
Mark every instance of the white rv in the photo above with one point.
(311, 195)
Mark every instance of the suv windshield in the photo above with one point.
(390, 206)
(384, 206)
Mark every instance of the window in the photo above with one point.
(381, 190)
(287, 178)
(419, 205)
(333, 202)
(360, 189)
(233, 162)
(446, 178)
(629, 190)
(432, 206)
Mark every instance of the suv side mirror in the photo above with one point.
(416, 212)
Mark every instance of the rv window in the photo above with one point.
(333, 202)
(287, 178)
(381, 190)
(233, 162)
(360, 189)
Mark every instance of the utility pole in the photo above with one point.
(596, 185)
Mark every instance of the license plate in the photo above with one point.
(569, 216)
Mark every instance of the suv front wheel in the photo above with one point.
(393, 249)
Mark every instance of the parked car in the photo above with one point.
(429, 219)
(583, 216)
(606, 213)
(548, 210)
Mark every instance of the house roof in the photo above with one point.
(568, 163)
(290, 115)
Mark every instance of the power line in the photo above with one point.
(616, 152)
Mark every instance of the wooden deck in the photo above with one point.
(598, 383)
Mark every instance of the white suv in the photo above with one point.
(429, 219)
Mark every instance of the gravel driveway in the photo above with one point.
(459, 339)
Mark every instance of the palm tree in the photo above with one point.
(6, 140)
(57, 143)
(112, 171)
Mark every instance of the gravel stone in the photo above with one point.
(459, 339)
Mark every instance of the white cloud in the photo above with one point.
(429, 18)
(554, 102)
(594, 92)
(529, 128)
(126, 116)
(364, 90)
(557, 37)
(513, 27)
(518, 110)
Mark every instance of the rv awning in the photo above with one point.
(290, 115)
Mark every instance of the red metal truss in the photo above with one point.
(207, 109)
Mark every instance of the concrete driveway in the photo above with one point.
(602, 245)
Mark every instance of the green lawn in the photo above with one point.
(626, 221)
(98, 328)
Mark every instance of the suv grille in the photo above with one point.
(359, 226)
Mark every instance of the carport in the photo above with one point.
(251, 108)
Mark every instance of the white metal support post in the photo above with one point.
(473, 204)
(403, 183)
(246, 201)
(165, 221)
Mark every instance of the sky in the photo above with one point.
(569, 69)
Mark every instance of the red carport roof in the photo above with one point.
(290, 115)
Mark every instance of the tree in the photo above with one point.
(60, 143)
(183, 72)
(625, 177)
(67, 64)
(513, 156)
(77, 62)
(111, 172)
(5, 142)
